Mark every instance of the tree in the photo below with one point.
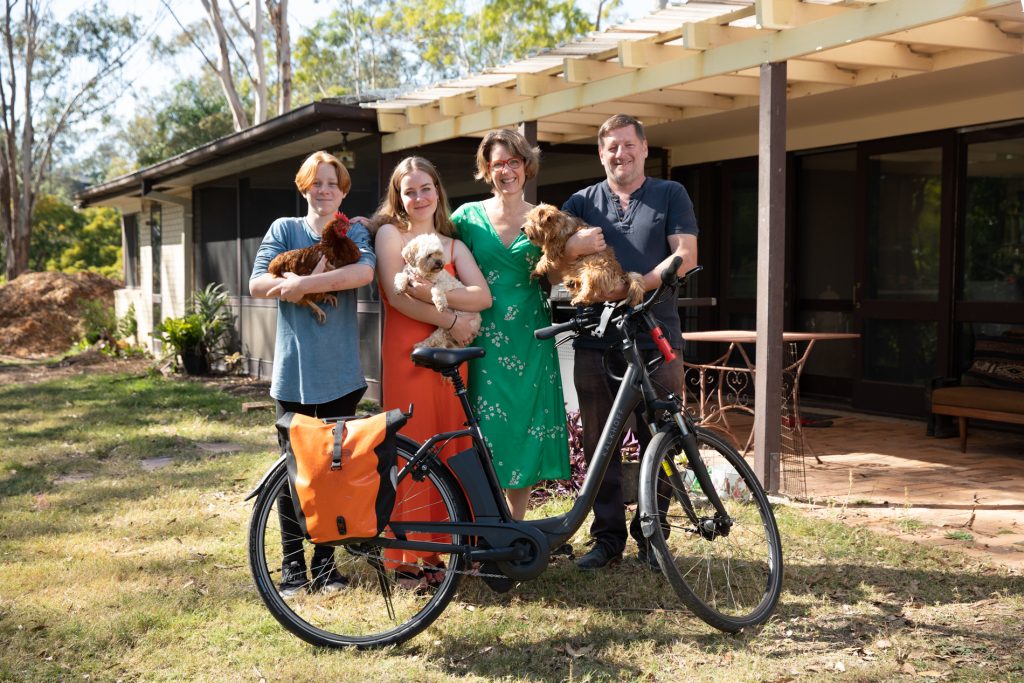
(192, 113)
(72, 241)
(53, 74)
(452, 40)
(225, 32)
(352, 51)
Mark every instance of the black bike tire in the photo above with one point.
(458, 511)
(667, 442)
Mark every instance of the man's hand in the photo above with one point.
(585, 241)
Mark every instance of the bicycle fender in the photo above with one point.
(259, 487)
(648, 508)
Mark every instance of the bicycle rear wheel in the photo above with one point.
(729, 572)
(382, 603)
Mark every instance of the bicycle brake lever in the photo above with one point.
(606, 316)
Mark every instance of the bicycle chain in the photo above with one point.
(464, 572)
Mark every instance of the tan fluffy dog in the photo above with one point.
(424, 259)
(591, 278)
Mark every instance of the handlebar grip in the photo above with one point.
(670, 274)
(551, 331)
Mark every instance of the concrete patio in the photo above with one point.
(884, 472)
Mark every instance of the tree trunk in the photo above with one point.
(260, 85)
(223, 68)
(278, 13)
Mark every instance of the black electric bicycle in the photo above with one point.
(717, 541)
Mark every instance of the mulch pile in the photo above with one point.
(41, 313)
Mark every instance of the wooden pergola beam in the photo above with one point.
(831, 32)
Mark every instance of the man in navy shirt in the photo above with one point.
(648, 221)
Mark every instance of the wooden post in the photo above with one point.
(771, 264)
(528, 129)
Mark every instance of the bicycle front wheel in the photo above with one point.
(355, 595)
(727, 571)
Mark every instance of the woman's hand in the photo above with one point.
(585, 241)
(421, 290)
(466, 329)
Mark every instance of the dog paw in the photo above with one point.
(440, 299)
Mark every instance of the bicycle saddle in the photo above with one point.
(444, 359)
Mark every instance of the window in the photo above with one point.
(994, 222)
(132, 277)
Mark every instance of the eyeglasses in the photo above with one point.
(513, 164)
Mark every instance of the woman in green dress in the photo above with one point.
(516, 389)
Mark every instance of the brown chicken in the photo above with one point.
(335, 245)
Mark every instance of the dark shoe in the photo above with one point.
(599, 556)
(293, 579)
(645, 556)
(326, 578)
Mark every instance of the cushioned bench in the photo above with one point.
(981, 403)
(992, 388)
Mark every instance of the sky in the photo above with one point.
(152, 76)
(302, 14)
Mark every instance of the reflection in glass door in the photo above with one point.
(897, 296)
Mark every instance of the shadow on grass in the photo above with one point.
(821, 623)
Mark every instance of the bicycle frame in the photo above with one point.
(493, 522)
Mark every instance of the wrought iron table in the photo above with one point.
(724, 385)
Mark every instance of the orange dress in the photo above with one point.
(436, 409)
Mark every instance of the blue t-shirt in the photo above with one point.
(639, 236)
(314, 363)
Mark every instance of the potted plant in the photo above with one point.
(212, 306)
(185, 337)
(200, 337)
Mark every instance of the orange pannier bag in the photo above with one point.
(342, 473)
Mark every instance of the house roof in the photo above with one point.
(323, 122)
(700, 60)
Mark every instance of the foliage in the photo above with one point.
(204, 331)
(74, 241)
(212, 305)
(54, 74)
(55, 223)
(370, 45)
(354, 50)
(98, 321)
(192, 113)
(220, 40)
(128, 326)
(455, 37)
(96, 248)
(104, 332)
(184, 334)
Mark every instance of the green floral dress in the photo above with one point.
(516, 389)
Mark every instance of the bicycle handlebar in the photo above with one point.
(551, 331)
(669, 279)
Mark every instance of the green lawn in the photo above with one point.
(122, 533)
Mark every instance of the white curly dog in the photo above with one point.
(424, 259)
